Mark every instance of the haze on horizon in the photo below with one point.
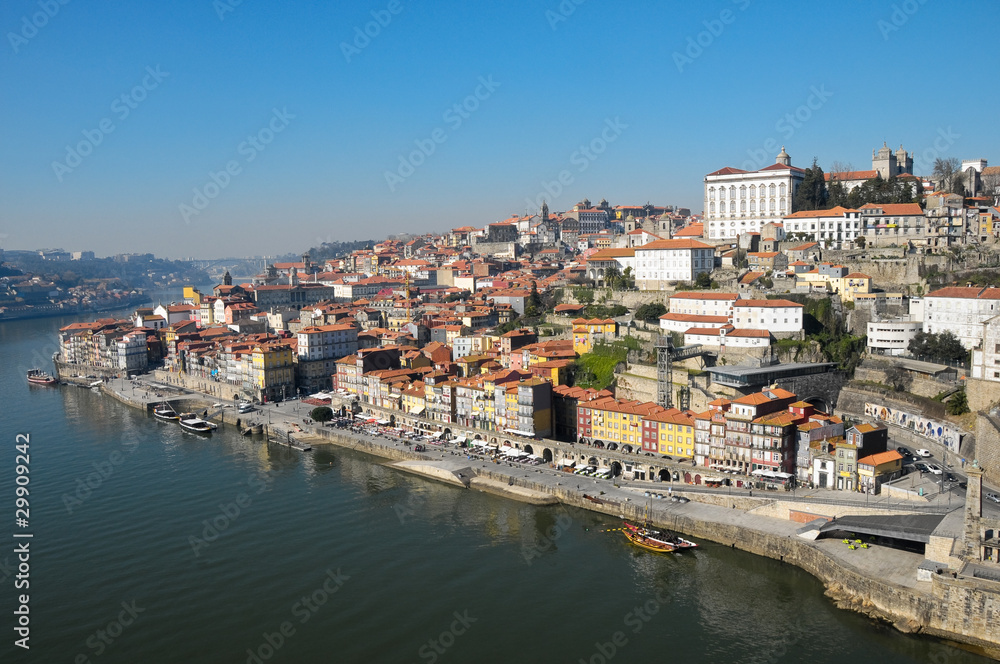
(201, 128)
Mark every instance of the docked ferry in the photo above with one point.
(193, 423)
(165, 412)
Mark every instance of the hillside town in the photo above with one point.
(771, 342)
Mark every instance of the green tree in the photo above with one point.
(321, 414)
(898, 378)
(584, 295)
(650, 312)
(958, 404)
(811, 194)
(703, 280)
(612, 277)
(627, 279)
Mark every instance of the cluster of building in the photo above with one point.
(740, 202)
(728, 320)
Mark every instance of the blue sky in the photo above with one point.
(120, 119)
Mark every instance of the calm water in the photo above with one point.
(400, 558)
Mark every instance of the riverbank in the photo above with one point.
(878, 582)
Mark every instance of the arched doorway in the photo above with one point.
(528, 449)
(447, 432)
(599, 444)
(547, 455)
(592, 461)
(493, 440)
(697, 479)
(616, 469)
(612, 446)
(627, 449)
(392, 420)
(477, 437)
(819, 403)
(687, 478)
(664, 475)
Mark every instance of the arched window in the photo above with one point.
(732, 206)
(711, 193)
(732, 191)
(771, 189)
(743, 206)
(782, 205)
(753, 205)
(753, 190)
(743, 192)
(711, 207)
(782, 188)
(772, 205)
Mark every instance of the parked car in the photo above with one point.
(933, 468)
(924, 453)
(902, 450)
(995, 498)
(922, 467)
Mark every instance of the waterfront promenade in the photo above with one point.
(879, 581)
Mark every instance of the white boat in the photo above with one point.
(165, 412)
(191, 422)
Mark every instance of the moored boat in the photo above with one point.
(39, 377)
(193, 423)
(165, 412)
(647, 531)
(644, 541)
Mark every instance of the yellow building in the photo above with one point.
(673, 433)
(415, 399)
(273, 372)
(876, 469)
(588, 332)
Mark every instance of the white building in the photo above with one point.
(702, 304)
(772, 315)
(893, 223)
(327, 342)
(132, 356)
(727, 337)
(660, 263)
(830, 228)
(672, 322)
(892, 337)
(986, 360)
(961, 310)
(738, 201)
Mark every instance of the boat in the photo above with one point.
(165, 412)
(644, 541)
(39, 377)
(193, 423)
(648, 532)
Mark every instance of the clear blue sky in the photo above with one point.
(555, 85)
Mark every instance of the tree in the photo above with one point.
(612, 275)
(811, 194)
(958, 404)
(859, 242)
(627, 279)
(650, 312)
(533, 305)
(898, 378)
(703, 280)
(321, 414)
(947, 171)
(944, 347)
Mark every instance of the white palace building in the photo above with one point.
(738, 201)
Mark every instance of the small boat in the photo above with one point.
(193, 423)
(39, 377)
(648, 532)
(165, 412)
(640, 539)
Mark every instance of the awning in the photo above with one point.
(567, 462)
(383, 421)
(418, 410)
(458, 439)
(437, 434)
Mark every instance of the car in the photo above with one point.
(924, 453)
(902, 450)
(993, 497)
(934, 469)
(922, 467)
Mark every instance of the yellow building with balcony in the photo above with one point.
(586, 333)
(273, 371)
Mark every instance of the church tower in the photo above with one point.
(227, 279)
(783, 158)
(544, 214)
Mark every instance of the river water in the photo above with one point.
(154, 545)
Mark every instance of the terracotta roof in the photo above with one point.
(766, 303)
(880, 458)
(696, 295)
(851, 175)
(895, 208)
(695, 318)
(728, 170)
(673, 244)
(838, 211)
